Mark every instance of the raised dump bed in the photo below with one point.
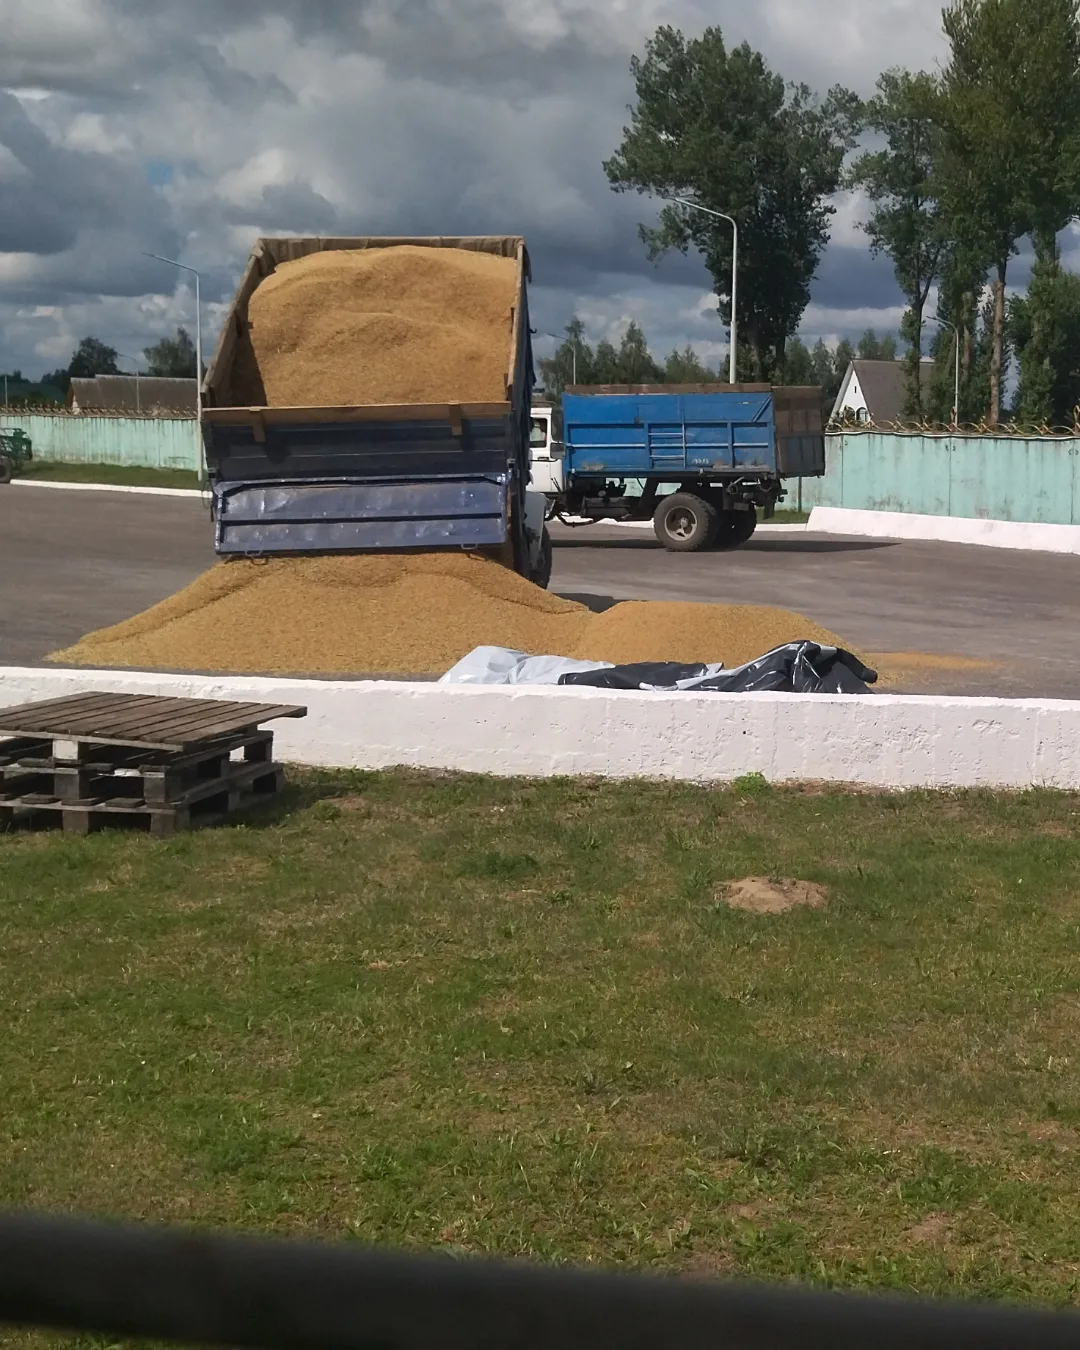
(379, 472)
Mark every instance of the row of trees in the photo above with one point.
(966, 164)
(172, 356)
(631, 362)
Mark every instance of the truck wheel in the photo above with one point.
(542, 572)
(745, 523)
(734, 529)
(685, 523)
(6, 469)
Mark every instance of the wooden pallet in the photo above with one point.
(210, 805)
(121, 759)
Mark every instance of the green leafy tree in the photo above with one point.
(634, 363)
(572, 362)
(960, 290)
(721, 128)
(1010, 150)
(831, 365)
(906, 222)
(686, 367)
(172, 356)
(606, 364)
(92, 357)
(873, 348)
(1044, 332)
(798, 363)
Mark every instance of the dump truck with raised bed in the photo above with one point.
(697, 460)
(372, 394)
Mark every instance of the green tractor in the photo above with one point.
(15, 451)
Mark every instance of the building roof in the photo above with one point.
(126, 394)
(882, 385)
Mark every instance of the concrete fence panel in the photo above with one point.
(1035, 480)
(143, 442)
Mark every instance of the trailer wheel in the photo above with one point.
(7, 469)
(734, 529)
(685, 522)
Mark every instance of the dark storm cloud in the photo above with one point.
(367, 116)
(60, 191)
(851, 278)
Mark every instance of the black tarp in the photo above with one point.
(798, 668)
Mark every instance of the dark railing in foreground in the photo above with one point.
(211, 1289)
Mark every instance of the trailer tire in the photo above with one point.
(685, 522)
(734, 529)
(7, 469)
(542, 573)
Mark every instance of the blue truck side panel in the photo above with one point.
(672, 435)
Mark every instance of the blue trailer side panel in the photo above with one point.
(637, 435)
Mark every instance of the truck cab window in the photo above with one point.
(538, 436)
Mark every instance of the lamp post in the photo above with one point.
(198, 358)
(956, 386)
(720, 215)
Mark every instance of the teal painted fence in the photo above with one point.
(150, 442)
(976, 477)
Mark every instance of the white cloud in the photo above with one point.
(188, 130)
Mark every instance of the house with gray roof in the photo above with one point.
(124, 395)
(873, 392)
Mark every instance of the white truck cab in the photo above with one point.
(545, 452)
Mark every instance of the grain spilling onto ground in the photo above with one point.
(381, 325)
(413, 614)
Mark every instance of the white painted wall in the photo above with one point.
(1013, 534)
(877, 741)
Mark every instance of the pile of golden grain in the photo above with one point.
(413, 614)
(380, 325)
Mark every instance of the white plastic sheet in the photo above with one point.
(503, 665)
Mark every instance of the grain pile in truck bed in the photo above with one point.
(405, 324)
(413, 614)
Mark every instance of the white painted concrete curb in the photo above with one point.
(877, 741)
(107, 487)
(946, 529)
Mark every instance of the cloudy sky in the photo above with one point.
(132, 126)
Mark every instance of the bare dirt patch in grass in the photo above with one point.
(772, 895)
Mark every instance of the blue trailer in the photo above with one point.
(698, 460)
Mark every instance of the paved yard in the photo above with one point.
(74, 561)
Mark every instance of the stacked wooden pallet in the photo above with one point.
(160, 764)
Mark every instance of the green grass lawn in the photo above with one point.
(118, 475)
(520, 1018)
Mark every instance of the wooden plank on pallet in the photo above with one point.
(136, 719)
(47, 707)
(203, 719)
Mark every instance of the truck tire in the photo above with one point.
(7, 469)
(542, 572)
(734, 529)
(685, 522)
(745, 525)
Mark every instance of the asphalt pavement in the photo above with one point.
(74, 561)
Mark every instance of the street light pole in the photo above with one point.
(198, 358)
(720, 215)
(956, 386)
